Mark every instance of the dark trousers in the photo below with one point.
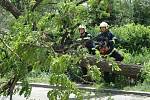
(110, 77)
(117, 56)
(84, 70)
(91, 51)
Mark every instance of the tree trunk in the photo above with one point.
(128, 70)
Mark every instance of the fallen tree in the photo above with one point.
(128, 70)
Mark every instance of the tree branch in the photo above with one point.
(7, 5)
(11, 49)
(81, 2)
(36, 4)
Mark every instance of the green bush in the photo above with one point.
(146, 72)
(136, 58)
(133, 37)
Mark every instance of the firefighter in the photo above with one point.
(87, 39)
(106, 41)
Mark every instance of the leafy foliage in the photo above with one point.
(29, 50)
(58, 78)
(146, 72)
(30, 42)
(133, 37)
(141, 11)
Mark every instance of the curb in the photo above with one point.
(92, 89)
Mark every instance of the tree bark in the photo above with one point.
(128, 70)
(7, 5)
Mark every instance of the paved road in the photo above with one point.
(41, 94)
(36, 94)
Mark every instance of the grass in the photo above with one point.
(2, 80)
(43, 78)
(139, 87)
(38, 77)
(38, 80)
(33, 78)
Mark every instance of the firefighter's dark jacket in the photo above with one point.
(109, 38)
(89, 43)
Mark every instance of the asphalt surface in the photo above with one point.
(39, 93)
(36, 94)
